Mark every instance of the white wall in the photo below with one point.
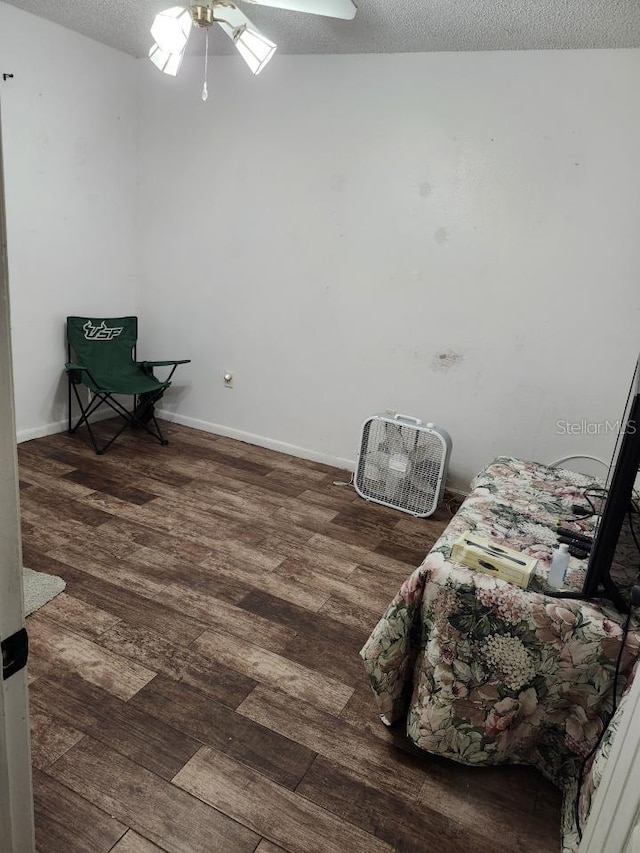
(453, 236)
(342, 223)
(70, 143)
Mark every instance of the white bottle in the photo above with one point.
(558, 569)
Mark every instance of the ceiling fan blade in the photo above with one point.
(344, 9)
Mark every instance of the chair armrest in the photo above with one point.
(71, 365)
(164, 363)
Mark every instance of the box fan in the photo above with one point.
(403, 463)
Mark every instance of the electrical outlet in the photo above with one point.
(227, 378)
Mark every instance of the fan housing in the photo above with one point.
(403, 463)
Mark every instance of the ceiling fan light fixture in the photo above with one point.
(171, 29)
(253, 47)
(168, 63)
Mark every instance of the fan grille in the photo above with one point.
(401, 466)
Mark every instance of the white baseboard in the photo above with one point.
(41, 431)
(228, 432)
(55, 427)
(461, 493)
(259, 440)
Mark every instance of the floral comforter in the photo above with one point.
(488, 673)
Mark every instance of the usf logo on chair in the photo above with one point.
(101, 356)
(101, 332)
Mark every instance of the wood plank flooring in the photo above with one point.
(197, 687)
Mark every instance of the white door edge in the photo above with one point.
(616, 803)
(16, 795)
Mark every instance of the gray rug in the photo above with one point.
(39, 588)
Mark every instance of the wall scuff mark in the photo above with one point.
(444, 361)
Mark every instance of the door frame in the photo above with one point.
(16, 790)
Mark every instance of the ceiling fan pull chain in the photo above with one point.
(205, 93)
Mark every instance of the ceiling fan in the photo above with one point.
(171, 29)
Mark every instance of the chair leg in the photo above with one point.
(143, 411)
(163, 441)
(129, 419)
(84, 416)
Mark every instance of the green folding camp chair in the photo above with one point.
(101, 355)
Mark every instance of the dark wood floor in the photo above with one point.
(197, 687)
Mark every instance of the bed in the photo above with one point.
(486, 673)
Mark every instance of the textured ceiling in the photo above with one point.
(380, 26)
